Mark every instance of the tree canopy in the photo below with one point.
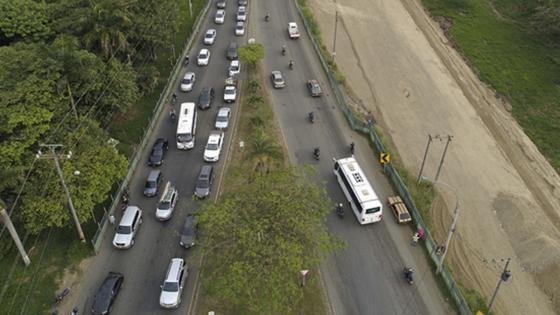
(260, 237)
(250, 54)
(66, 68)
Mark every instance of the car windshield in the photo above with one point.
(230, 91)
(186, 137)
(373, 210)
(202, 183)
(186, 81)
(164, 205)
(170, 286)
(404, 216)
(212, 146)
(239, 26)
(150, 184)
(222, 118)
(202, 55)
(124, 229)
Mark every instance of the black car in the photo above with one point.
(206, 98)
(188, 233)
(103, 299)
(158, 151)
(231, 52)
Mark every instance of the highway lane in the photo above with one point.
(366, 278)
(145, 264)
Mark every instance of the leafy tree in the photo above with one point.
(100, 165)
(28, 98)
(251, 54)
(23, 19)
(259, 238)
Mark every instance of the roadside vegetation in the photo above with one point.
(514, 46)
(269, 223)
(77, 73)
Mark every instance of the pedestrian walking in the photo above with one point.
(112, 219)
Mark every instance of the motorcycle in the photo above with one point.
(408, 275)
(317, 153)
(172, 115)
(59, 297)
(74, 311)
(186, 61)
(340, 210)
(174, 99)
(311, 117)
(291, 65)
(352, 148)
(267, 17)
(284, 50)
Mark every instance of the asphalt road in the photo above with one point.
(144, 265)
(366, 278)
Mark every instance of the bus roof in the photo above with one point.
(186, 118)
(358, 180)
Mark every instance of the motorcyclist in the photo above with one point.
(291, 64)
(352, 147)
(311, 117)
(186, 60)
(408, 274)
(283, 49)
(172, 114)
(316, 152)
(340, 209)
(267, 16)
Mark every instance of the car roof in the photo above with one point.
(174, 268)
(168, 192)
(214, 137)
(153, 174)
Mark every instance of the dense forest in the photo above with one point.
(67, 68)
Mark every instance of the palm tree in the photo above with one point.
(262, 151)
(110, 20)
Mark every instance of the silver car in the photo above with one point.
(222, 118)
(277, 79)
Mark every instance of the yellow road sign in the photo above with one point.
(384, 158)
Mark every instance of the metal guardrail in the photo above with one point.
(361, 126)
(163, 98)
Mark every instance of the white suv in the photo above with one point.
(167, 202)
(234, 68)
(128, 227)
(230, 94)
(214, 146)
(172, 287)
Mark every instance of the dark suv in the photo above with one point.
(204, 181)
(206, 98)
(158, 151)
(231, 53)
(103, 299)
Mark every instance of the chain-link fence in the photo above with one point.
(164, 97)
(358, 124)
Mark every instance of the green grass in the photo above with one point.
(25, 286)
(519, 63)
(34, 286)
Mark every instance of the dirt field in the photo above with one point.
(400, 65)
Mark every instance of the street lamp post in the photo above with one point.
(453, 224)
(506, 274)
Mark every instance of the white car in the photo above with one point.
(242, 8)
(166, 204)
(210, 37)
(222, 118)
(234, 68)
(241, 16)
(214, 146)
(240, 28)
(230, 94)
(203, 57)
(220, 17)
(293, 30)
(187, 82)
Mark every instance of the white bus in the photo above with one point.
(361, 196)
(186, 126)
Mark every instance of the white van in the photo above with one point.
(173, 284)
(128, 227)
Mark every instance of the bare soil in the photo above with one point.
(401, 66)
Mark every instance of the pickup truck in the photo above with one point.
(293, 30)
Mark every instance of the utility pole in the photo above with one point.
(4, 217)
(54, 156)
(335, 28)
(506, 274)
(449, 137)
(430, 139)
